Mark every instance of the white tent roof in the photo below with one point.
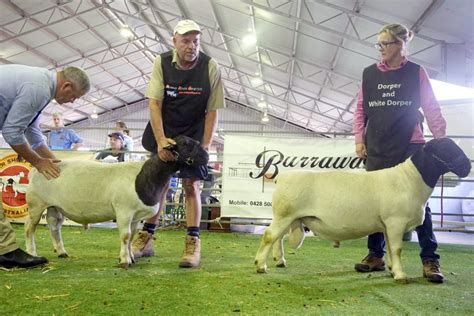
(304, 69)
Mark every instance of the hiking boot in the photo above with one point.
(143, 245)
(192, 253)
(432, 272)
(370, 263)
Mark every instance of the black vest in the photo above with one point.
(391, 101)
(185, 101)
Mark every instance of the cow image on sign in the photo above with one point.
(13, 183)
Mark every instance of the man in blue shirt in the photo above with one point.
(63, 138)
(24, 92)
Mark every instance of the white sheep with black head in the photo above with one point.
(347, 205)
(91, 192)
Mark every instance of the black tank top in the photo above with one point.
(391, 101)
(186, 96)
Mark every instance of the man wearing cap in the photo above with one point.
(185, 92)
(63, 138)
(116, 152)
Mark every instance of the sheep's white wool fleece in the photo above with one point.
(350, 205)
(90, 194)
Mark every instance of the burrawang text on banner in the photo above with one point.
(251, 164)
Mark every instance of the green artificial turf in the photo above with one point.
(319, 280)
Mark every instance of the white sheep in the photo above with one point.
(343, 205)
(91, 192)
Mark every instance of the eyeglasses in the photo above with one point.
(383, 44)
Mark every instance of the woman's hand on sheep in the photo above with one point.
(48, 168)
(163, 153)
(361, 150)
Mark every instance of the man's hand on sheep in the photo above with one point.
(361, 150)
(41, 158)
(48, 167)
(163, 152)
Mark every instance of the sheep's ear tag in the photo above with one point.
(189, 161)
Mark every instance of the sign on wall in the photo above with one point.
(251, 164)
(13, 183)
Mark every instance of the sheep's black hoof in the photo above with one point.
(63, 255)
(281, 265)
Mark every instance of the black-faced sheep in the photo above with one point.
(91, 192)
(343, 205)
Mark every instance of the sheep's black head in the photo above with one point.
(155, 174)
(189, 151)
(448, 156)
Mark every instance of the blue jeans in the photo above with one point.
(426, 237)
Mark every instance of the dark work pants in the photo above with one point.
(426, 237)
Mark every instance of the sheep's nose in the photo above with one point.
(461, 166)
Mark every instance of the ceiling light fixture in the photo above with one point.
(256, 81)
(265, 118)
(249, 39)
(94, 115)
(126, 32)
(262, 104)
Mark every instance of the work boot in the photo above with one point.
(370, 263)
(143, 245)
(432, 272)
(20, 259)
(192, 253)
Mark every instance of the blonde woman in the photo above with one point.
(388, 129)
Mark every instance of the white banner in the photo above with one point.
(252, 162)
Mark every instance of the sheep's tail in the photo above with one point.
(296, 234)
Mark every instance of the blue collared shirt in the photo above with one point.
(63, 138)
(24, 93)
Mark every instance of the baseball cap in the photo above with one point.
(185, 26)
(117, 135)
